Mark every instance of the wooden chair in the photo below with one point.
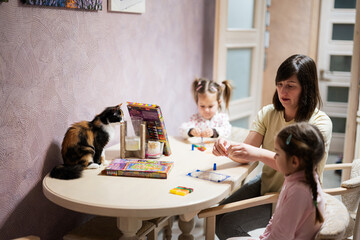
(161, 224)
(339, 222)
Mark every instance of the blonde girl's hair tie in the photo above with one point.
(213, 89)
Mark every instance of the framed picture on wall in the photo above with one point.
(77, 4)
(126, 6)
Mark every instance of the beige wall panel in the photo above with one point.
(290, 33)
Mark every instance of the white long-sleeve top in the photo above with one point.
(219, 122)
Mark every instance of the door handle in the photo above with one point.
(322, 78)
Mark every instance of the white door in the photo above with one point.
(239, 55)
(337, 23)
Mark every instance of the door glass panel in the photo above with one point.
(241, 14)
(238, 69)
(345, 4)
(340, 63)
(338, 94)
(343, 32)
(339, 124)
(241, 122)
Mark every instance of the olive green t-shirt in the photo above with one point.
(268, 123)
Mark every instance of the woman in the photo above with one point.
(295, 100)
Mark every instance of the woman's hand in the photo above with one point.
(220, 147)
(238, 153)
(243, 153)
(246, 152)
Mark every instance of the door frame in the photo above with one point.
(241, 38)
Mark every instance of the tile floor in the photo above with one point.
(331, 179)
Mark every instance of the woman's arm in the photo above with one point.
(255, 139)
(244, 153)
(221, 145)
(247, 151)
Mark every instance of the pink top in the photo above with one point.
(219, 122)
(294, 216)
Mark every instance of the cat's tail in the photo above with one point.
(66, 172)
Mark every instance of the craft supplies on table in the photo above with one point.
(182, 191)
(198, 147)
(154, 149)
(210, 176)
(155, 124)
(139, 168)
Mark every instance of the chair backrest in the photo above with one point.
(351, 200)
(350, 196)
(336, 220)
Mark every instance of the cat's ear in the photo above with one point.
(117, 107)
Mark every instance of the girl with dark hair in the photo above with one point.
(296, 99)
(209, 121)
(300, 209)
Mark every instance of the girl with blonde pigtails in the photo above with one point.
(209, 121)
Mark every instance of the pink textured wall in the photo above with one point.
(60, 66)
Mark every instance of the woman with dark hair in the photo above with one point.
(296, 99)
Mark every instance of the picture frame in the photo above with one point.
(127, 6)
(93, 5)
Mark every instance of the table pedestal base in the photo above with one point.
(134, 228)
(186, 227)
(128, 227)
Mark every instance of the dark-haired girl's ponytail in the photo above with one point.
(310, 178)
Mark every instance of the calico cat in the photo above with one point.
(84, 142)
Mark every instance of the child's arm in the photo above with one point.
(184, 130)
(186, 127)
(223, 126)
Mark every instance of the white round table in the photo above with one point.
(133, 199)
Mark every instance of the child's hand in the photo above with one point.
(208, 132)
(196, 132)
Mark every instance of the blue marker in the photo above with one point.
(214, 168)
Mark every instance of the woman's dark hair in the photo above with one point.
(304, 68)
(306, 142)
